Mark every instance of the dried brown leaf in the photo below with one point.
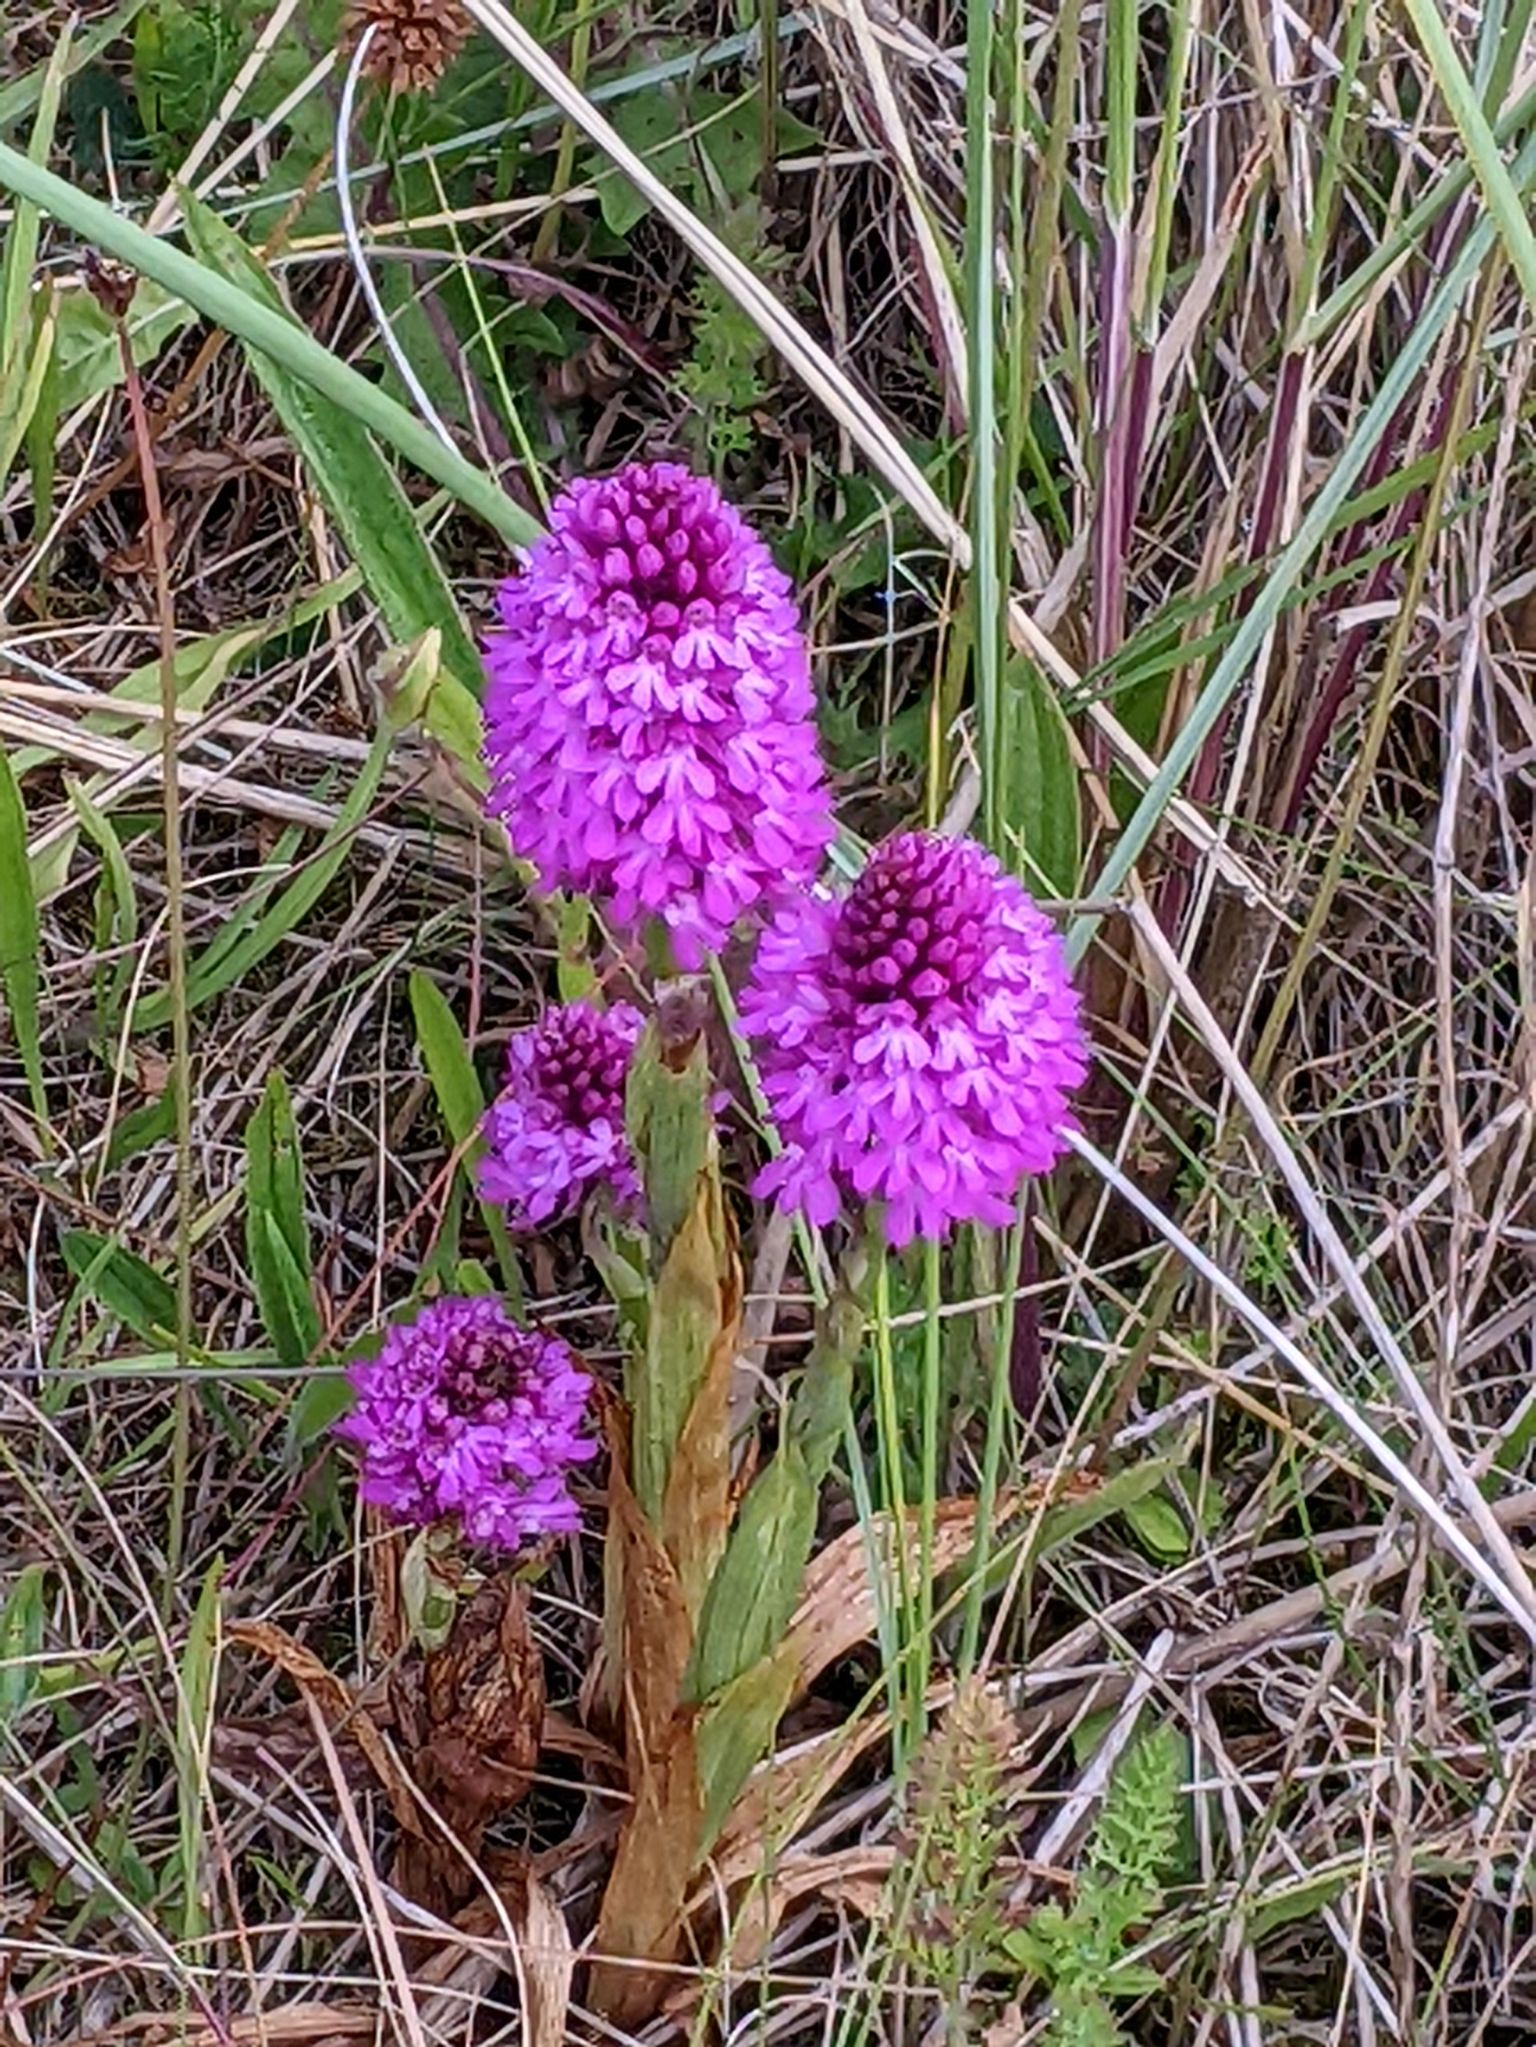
(657, 1630)
(474, 1723)
(837, 1609)
(338, 1707)
(640, 1929)
(852, 1877)
(783, 1796)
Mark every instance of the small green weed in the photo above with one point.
(1079, 1951)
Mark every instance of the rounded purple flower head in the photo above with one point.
(558, 1126)
(649, 713)
(917, 1041)
(462, 1412)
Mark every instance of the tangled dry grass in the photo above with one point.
(1336, 926)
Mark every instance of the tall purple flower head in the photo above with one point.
(649, 711)
(462, 1412)
(917, 1041)
(558, 1126)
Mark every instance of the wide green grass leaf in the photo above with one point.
(461, 1101)
(19, 936)
(276, 1234)
(141, 1298)
(253, 320)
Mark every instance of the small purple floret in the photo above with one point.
(917, 1041)
(649, 714)
(557, 1128)
(462, 1412)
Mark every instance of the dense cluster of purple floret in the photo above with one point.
(652, 744)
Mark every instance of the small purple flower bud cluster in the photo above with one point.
(462, 1412)
(557, 1129)
(649, 711)
(917, 1041)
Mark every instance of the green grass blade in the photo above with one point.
(19, 937)
(1234, 665)
(273, 333)
(117, 920)
(20, 257)
(1488, 165)
(363, 493)
(223, 963)
(194, 1729)
(987, 612)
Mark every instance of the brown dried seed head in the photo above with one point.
(413, 41)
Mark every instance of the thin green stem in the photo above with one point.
(992, 1452)
(888, 1435)
(933, 1329)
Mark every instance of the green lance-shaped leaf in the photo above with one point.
(754, 1593)
(194, 1725)
(276, 1238)
(21, 1639)
(360, 488)
(19, 936)
(461, 1100)
(1042, 813)
(670, 1127)
(735, 1731)
(141, 1298)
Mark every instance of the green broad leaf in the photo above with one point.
(1041, 812)
(276, 1235)
(1159, 1527)
(756, 1587)
(141, 1298)
(19, 939)
(320, 1402)
(735, 1732)
(21, 1639)
(1088, 1732)
(1285, 1907)
(672, 1131)
(150, 1123)
(649, 123)
(428, 1587)
(473, 1279)
(283, 1292)
(461, 1103)
(361, 490)
(1069, 1519)
(87, 348)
